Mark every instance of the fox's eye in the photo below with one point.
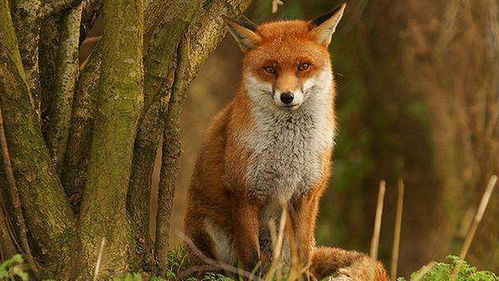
(304, 66)
(269, 69)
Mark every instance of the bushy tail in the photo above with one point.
(327, 261)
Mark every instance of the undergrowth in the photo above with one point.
(447, 272)
(14, 268)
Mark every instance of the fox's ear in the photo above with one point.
(323, 27)
(244, 31)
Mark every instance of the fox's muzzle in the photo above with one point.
(288, 99)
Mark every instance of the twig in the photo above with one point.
(377, 227)
(474, 226)
(421, 273)
(216, 263)
(294, 272)
(280, 237)
(478, 217)
(14, 193)
(396, 234)
(277, 244)
(99, 258)
(275, 5)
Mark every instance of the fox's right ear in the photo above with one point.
(244, 31)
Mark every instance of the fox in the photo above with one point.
(272, 145)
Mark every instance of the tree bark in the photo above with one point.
(47, 55)
(27, 25)
(172, 149)
(103, 210)
(159, 63)
(48, 215)
(80, 137)
(14, 199)
(52, 7)
(63, 87)
(7, 238)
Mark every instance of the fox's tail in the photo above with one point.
(327, 261)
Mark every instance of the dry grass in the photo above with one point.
(397, 230)
(377, 227)
(99, 258)
(478, 217)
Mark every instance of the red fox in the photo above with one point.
(271, 145)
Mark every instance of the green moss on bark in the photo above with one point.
(80, 134)
(65, 80)
(47, 213)
(103, 210)
(27, 26)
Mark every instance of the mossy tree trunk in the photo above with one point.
(47, 212)
(103, 211)
(88, 180)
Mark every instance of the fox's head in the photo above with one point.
(286, 62)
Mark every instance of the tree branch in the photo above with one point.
(47, 55)
(163, 46)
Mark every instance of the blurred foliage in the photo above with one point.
(12, 268)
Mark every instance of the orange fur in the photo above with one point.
(224, 216)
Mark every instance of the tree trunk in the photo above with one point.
(48, 215)
(103, 210)
(159, 64)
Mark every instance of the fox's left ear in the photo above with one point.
(324, 26)
(244, 31)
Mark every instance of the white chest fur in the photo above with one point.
(286, 147)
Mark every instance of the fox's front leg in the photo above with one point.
(304, 215)
(245, 216)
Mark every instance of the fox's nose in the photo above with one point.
(287, 97)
